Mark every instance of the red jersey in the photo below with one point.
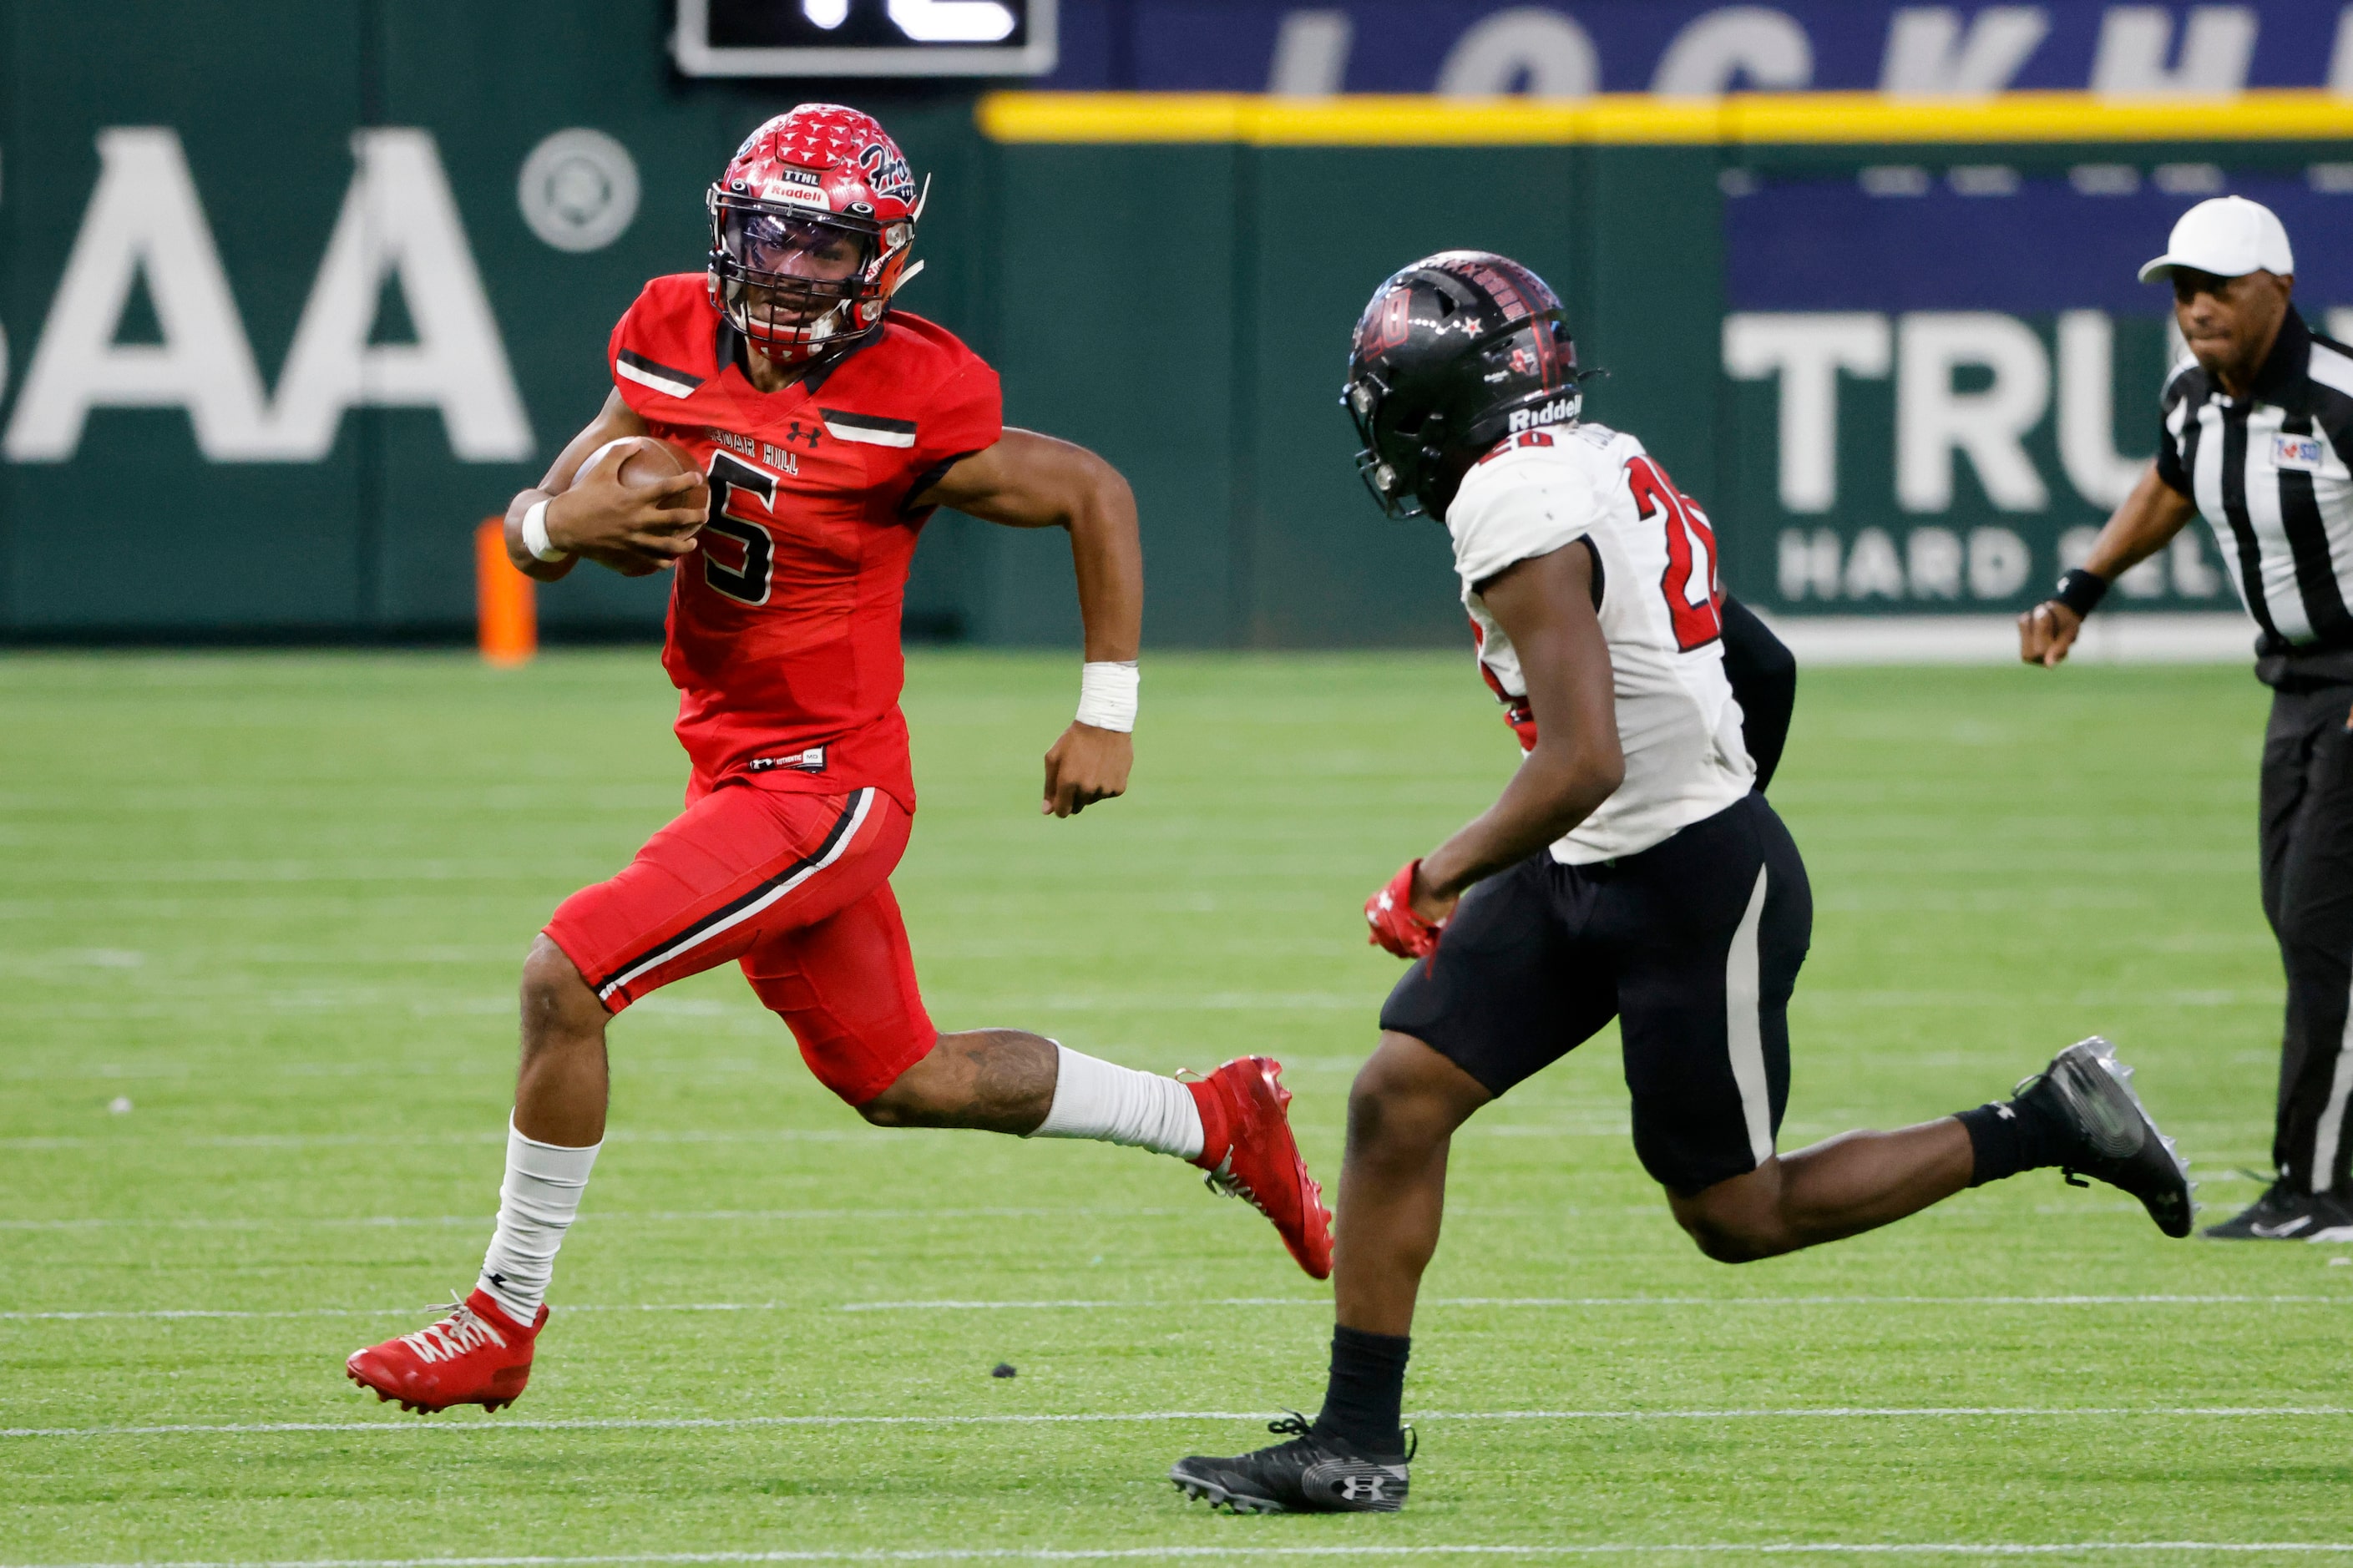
(783, 633)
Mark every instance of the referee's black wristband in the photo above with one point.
(2080, 590)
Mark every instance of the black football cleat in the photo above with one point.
(2090, 1094)
(1307, 1475)
(2283, 1214)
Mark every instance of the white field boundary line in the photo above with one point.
(2116, 637)
(680, 1217)
(1367, 1549)
(276, 1140)
(751, 1423)
(173, 1314)
(2340, 1298)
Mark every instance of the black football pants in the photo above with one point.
(2307, 847)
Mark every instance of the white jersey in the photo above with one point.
(1678, 724)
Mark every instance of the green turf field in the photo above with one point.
(276, 903)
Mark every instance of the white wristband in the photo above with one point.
(535, 534)
(1107, 694)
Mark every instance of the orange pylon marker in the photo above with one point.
(506, 601)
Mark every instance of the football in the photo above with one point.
(647, 461)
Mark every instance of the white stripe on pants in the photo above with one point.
(1743, 1028)
(2330, 1133)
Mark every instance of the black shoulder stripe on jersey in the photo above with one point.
(2331, 394)
(659, 376)
(868, 422)
(926, 479)
(2176, 461)
(2193, 431)
(2308, 544)
(679, 940)
(2242, 527)
(2186, 381)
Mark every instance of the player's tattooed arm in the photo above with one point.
(2144, 524)
(624, 527)
(1029, 480)
(1545, 606)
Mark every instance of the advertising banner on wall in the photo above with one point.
(1692, 47)
(1942, 382)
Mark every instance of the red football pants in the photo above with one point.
(796, 889)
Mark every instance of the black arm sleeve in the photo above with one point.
(1764, 676)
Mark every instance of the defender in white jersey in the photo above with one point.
(1631, 868)
(1679, 726)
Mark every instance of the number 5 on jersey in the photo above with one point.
(747, 585)
(1691, 553)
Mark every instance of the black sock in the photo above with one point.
(2008, 1136)
(1367, 1391)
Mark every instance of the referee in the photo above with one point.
(2258, 436)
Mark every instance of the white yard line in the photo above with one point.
(745, 1423)
(1362, 1549)
(682, 1217)
(167, 1314)
(170, 1314)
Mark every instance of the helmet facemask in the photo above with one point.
(1393, 461)
(800, 283)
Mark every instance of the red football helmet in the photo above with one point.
(810, 228)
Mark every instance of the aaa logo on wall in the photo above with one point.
(398, 227)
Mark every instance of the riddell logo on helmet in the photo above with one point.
(1552, 413)
(786, 191)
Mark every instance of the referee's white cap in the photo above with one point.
(2229, 236)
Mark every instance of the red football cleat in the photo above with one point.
(1247, 1149)
(476, 1355)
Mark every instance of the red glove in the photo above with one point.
(1394, 925)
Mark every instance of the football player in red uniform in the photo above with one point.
(827, 425)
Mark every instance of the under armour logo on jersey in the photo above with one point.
(796, 433)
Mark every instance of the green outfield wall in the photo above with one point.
(294, 295)
(281, 327)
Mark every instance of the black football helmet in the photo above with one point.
(1453, 353)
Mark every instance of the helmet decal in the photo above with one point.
(887, 173)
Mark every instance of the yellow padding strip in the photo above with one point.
(1638, 119)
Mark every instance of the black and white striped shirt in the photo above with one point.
(2272, 474)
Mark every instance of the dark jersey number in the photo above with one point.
(1690, 551)
(747, 585)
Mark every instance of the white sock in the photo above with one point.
(536, 1203)
(1096, 1099)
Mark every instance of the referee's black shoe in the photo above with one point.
(2284, 1213)
(2110, 1136)
(1310, 1474)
